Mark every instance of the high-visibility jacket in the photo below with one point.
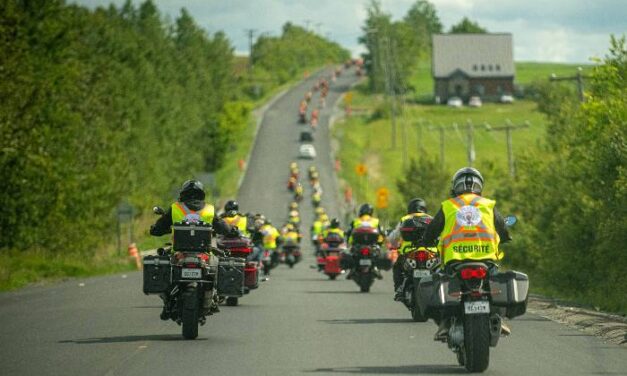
(239, 221)
(291, 238)
(366, 221)
(469, 232)
(181, 212)
(270, 235)
(407, 246)
(317, 227)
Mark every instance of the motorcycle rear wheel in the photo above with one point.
(190, 315)
(415, 309)
(476, 342)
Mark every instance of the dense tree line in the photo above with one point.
(111, 105)
(572, 193)
(279, 59)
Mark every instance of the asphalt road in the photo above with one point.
(298, 322)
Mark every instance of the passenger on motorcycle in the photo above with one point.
(416, 216)
(191, 206)
(365, 220)
(290, 235)
(234, 218)
(468, 227)
(257, 237)
(333, 234)
(270, 239)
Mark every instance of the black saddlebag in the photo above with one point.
(231, 276)
(510, 290)
(157, 274)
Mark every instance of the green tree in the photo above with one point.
(466, 26)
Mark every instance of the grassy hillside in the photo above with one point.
(366, 137)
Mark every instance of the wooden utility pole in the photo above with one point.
(508, 128)
(470, 142)
(441, 129)
(251, 35)
(577, 77)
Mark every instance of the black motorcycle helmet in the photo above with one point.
(335, 223)
(467, 180)
(366, 209)
(192, 190)
(231, 205)
(416, 205)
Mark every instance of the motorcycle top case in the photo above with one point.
(412, 229)
(231, 276)
(157, 274)
(435, 294)
(190, 237)
(367, 235)
(239, 246)
(510, 290)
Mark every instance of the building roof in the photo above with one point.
(477, 55)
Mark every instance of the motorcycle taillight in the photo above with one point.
(241, 250)
(473, 273)
(203, 257)
(422, 256)
(365, 252)
(192, 265)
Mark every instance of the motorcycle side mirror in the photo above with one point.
(158, 210)
(510, 220)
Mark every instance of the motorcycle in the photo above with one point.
(241, 247)
(366, 253)
(186, 280)
(473, 295)
(270, 260)
(330, 257)
(417, 265)
(291, 255)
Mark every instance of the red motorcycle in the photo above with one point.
(330, 255)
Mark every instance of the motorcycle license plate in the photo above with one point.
(472, 308)
(365, 262)
(419, 273)
(191, 273)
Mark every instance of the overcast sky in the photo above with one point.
(543, 30)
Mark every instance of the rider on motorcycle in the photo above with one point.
(417, 207)
(256, 236)
(468, 227)
(333, 232)
(270, 239)
(365, 219)
(233, 217)
(191, 206)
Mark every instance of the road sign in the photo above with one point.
(361, 169)
(382, 197)
(348, 98)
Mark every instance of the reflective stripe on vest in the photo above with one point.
(366, 221)
(181, 212)
(469, 232)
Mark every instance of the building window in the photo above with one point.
(474, 67)
(498, 67)
(490, 67)
(482, 67)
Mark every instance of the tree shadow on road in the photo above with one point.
(433, 369)
(121, 339)
(369, 321)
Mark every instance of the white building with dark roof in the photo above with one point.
(464, 65)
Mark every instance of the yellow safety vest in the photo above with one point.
(328, 231)
(181, 212)
(270, 234)
(239, 222)
(317, 228)
(407, 246)
(291, 238)
(365, 221)
(469, 232)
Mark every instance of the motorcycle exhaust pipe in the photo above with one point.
(495, 329)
